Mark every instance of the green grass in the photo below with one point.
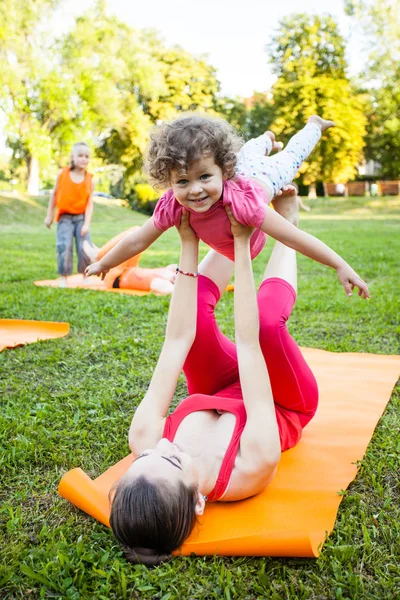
(69, 402)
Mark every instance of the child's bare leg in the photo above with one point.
(94, 253)
(283, 263)
(114, 241)
(159, 285)
(91, 251)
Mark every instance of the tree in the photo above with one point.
(103, 81)
(24, 74)
(114, 76)
(383, 138)
(251, 116)
(380, 24)
(190, 83)
(308, 55)
(127, 81)
(307, 46)
(261, 114)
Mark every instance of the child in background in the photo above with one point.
(72, 198)
(197, 157)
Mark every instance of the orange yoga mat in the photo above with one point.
(90, 283)
(17, 332)
(295, 513)
(95, 283)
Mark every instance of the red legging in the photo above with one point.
(211, 365)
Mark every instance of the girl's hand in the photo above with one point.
(96, 269)
(238, 230)
(185, 231)
(48, 221)
(349, 280)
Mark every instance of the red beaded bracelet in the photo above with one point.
(178, 270)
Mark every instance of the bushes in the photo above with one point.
(143, 198)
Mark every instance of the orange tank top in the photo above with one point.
(72, 198)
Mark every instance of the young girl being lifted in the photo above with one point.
(197, 157)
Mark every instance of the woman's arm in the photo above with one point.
(88, 214)
(260, 447)
(283, 231)
(179, 337)
(133, 243)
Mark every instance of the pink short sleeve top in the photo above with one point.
(248, 203)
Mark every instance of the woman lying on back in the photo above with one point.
(247, 402)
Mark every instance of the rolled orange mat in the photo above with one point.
(17, 332)
(294, 514)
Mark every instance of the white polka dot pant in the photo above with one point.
(281, 168)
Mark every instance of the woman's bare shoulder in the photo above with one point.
(247, 480)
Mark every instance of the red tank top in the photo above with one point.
(198, 402)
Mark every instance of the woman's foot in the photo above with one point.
(90, 250)
(287, 206)
(322, 123)
(276, 146)
(63, 281)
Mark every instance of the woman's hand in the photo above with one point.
(349, 280)
(185, 231)
(238, 230)
(96, 269)
(48, 221)
(84, 230)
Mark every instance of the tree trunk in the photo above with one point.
(312, 191)
(33, 176)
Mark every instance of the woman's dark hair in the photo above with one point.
(178, 144)
(151, 519)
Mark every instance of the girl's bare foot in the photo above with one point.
(90, 250)
(287, 206)
(276, 146)
(322, 123)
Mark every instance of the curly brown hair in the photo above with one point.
(178, 144)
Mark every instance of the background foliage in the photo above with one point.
(109, 84)
(379, 21)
